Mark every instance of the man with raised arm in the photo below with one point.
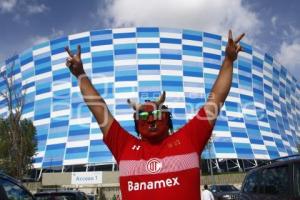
(158, 165)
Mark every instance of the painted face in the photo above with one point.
(152, 123)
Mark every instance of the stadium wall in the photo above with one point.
(259, 120)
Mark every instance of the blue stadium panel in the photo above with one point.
(259, 120)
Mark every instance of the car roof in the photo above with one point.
(277, 162)
(3, 175)
(13, 180)
(287, 158)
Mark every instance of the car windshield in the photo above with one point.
(226, 188)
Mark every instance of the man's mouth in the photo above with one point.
(152, 127)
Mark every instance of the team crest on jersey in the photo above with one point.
(154, 166)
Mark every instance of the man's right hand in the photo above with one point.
(74, 63)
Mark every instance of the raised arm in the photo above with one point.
(90, 95)
(223, 82)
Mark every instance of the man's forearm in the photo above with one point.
(219, 91)
(90, 95)
(95, 103)
(222, 85)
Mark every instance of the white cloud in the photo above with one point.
(56, 33)
(294, 32)
(38, 39)
(7, 5)
(21, 7)
(216, 16)
(274, 21)
(289, 57)
(34, 9)
(289, 51)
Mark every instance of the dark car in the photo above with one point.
(279, 180)
(91, 197)
(224, 192)
(11, 189)
(61, 195)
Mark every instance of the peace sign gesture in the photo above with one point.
(233, 47)
(74, 63)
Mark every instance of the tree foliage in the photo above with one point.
(16, 154)
(17, 135)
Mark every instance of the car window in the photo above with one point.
(275, 181)
(212, 188)
(251, 184)
(13, 191)
(227, 188)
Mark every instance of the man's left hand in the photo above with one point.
(233, 47)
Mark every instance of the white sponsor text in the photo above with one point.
(152, 185)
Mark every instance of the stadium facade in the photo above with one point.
(259, 120)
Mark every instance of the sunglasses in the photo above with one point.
(145, 115)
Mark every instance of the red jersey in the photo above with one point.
(168, 170)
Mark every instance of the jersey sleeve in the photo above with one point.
(198, 130)
(116, 139)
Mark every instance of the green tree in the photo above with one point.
(12, 161)
(17, 135)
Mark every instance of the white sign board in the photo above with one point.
(84, 178)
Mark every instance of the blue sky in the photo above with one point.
(271, 25)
